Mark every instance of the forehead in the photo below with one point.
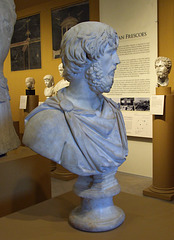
(29, 80)
(48, 79)
(160, 63)
(110, 49)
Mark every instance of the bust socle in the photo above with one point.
(163, 67)
(8, 137)
(49, 83)
(86, 130)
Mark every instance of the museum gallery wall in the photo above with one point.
(140, 150)
(49, 65)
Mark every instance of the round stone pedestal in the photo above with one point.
(97, 211)
(97, 215)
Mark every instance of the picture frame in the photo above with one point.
(25, 48)
(63, 19)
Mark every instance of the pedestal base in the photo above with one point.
(161, 194)
(163, 151)
(97, 212)
(30, 92)
(97, 215)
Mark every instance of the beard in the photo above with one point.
(162, 75)
(98, 82)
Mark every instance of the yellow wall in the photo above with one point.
(16, 79)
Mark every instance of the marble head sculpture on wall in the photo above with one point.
(85, 130)
(8, 137)
(163, 67)
(49, 83)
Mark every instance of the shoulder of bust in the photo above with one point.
(45, 129)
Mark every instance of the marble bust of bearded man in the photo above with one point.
(163, 67)
(79, 128)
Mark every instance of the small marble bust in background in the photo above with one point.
(49, 83)
(163, 67)
(30, 85)
(62, 83)
(60, 68)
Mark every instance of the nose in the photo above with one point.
(116, 58)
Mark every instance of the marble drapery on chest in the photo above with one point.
(88, 142)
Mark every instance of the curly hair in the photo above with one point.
(85, 42)
(167, 62)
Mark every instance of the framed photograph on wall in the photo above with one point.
(65, 18)
(25, 49)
